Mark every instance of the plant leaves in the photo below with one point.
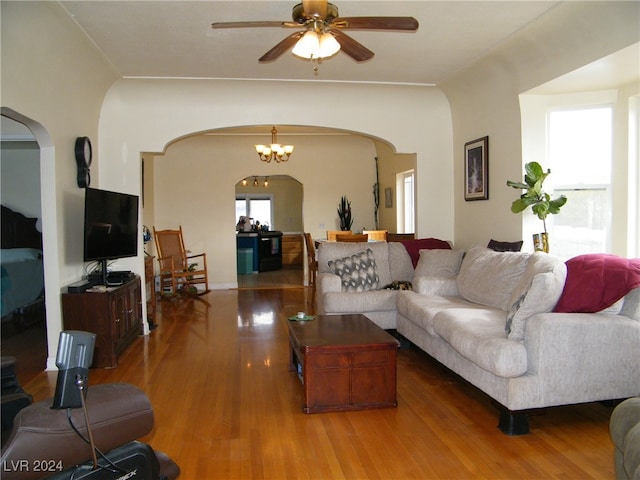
(518, 185)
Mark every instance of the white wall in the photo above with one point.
(485, 101)
(195, 184)
(534, 122)
(147, 115)
(54, 80)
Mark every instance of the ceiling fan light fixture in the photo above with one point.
(329, 46)
(314, 45)
(307, 46)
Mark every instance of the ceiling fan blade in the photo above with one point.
(351, 47)
(376, 23)
(280, 48)
(313, 8)
(256, 24)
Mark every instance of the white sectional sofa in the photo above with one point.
(392, 263)
(489, 317)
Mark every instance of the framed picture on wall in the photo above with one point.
(476, 169)
(388, 197)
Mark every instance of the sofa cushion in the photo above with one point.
(488, 278)
(413, 247)
(332, 250)
(537, 291)
(400, 262)
(422, 309)
(439, 263)
(358, 271)
(631, 304)
(478, 335)
(360, 302)
(442, 286)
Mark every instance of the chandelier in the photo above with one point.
(274, 151)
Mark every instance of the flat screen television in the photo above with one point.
(110, 226)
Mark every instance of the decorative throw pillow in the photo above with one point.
(439, 263)
(358, 272)
(596, 281)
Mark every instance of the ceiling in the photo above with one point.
(174, 39)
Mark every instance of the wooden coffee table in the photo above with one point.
(345, 362)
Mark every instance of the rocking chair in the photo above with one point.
(178, 271)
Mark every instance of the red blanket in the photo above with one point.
(414, 246)
(597, 281)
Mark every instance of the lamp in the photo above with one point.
(316, 45)
(274, 151)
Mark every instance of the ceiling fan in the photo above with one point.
(322, 31)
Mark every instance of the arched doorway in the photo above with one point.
(275, 203)
(24, 326)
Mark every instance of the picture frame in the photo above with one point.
(388, 197)
(476, 169)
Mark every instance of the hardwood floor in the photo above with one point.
(226, 407)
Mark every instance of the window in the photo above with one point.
(406, 192)
(580, 158)
(258, 207)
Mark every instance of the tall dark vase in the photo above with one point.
(541, 242)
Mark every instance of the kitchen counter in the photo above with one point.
(266, 248)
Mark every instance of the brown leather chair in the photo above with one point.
(119, 413)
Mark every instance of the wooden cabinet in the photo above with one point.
(292, 249)
(114, 315)
(345, 362)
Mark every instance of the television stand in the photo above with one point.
(114, 315)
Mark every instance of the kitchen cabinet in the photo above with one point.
(292, 249)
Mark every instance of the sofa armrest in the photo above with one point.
(440, 286)
(584, 357)
(326, 283)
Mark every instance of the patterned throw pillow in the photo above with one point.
(358, 272)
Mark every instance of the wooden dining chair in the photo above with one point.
(331, 234)
(312, 261)
(352, 238)
(178, 270)
(376, 235)
(399, 237)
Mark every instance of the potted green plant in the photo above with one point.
(344, 213)
(535, 197)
